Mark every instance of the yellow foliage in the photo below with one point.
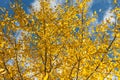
(2, 71)
(62, 43)
(115, 1)
(46, 76)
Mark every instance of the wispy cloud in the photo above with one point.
(53, 3)
(36, 5)
(90, 3)
(109, 16)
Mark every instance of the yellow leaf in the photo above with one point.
(2, 24)
(62, 79)
(115, 1)
(81, 6)
(66, 0)
(22, 64)
(2, 43)
(2, 71)
(46, 76)
(95, 12)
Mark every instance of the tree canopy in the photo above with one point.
(60, 44)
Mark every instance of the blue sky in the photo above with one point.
(104, 5)
(96, 5)
(26, 4)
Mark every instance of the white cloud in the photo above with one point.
(90, 3)
(53, 3)
(109, 16)
(36, 5)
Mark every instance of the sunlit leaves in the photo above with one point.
(46, 77)
(61, 44)
(115, 1)
(2, 71)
